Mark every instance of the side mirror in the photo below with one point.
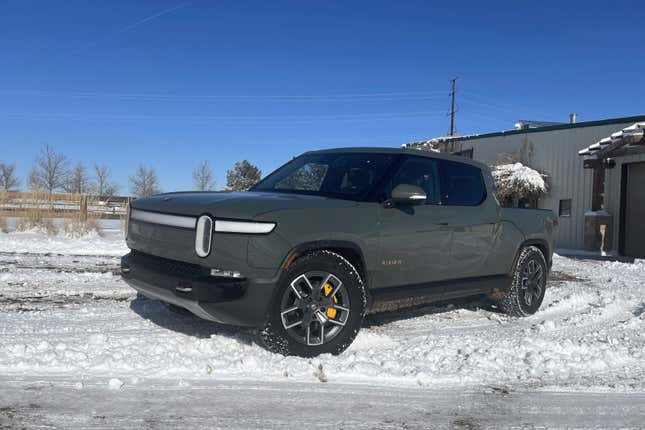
(410, 194)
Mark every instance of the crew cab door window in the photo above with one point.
(461, 184)
(422, 172)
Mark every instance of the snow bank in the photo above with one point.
(111, 243)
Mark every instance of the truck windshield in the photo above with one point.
(340, 175)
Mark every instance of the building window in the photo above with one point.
(565, 207)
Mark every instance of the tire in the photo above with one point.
(528, 284)
(317, 308)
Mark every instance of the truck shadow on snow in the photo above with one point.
(186, 323)
(395, 311)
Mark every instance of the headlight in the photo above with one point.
(248, 227)
(203, 236)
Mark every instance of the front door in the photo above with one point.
(414, 239)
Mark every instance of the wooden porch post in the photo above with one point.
(598, 190)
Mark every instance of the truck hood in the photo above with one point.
(226, 204)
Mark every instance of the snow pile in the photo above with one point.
(518, 181)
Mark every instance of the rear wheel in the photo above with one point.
(528, 286)
(317, 309)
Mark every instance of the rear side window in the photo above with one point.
(461, 184)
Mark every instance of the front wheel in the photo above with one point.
(318, 308)
(528, 285)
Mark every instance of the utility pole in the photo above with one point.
(453, 91)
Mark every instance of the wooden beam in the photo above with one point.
(598, 191)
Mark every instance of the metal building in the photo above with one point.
(594, 216)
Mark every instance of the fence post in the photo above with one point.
(83, 208)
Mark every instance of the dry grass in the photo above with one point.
(38, 220)
(77, 227)
(38, 214)
(4, 228)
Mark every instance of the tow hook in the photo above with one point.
(184, 287)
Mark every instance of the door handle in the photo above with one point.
(441, 223)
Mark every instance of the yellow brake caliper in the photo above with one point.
(327, 289)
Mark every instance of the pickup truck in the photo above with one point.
(332, 234)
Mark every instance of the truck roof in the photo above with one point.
(406, 151)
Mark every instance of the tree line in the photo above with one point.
(54, 172)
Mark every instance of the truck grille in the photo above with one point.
(171, 267)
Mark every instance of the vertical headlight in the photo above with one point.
(203, 235)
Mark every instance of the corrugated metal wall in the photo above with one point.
(555, 153)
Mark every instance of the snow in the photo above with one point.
(70, 319)
(600, 213)
(110, 243)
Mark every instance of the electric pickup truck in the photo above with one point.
(332, 234)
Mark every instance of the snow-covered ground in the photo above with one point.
(75, 341)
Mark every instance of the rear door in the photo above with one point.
(473, 217)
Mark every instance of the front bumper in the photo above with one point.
(233, 301)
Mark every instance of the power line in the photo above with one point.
(357, 117)
(231, 97)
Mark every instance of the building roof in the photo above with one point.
(632, 135)
(621, 120)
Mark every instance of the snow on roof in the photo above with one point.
(432, 143)
(631, 135)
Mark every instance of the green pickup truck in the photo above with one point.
(310, 249)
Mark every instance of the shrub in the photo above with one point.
(37, 220)
(514, 182)
(77, 227)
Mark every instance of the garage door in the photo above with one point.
(635, 210)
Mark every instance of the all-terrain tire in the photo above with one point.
(525, 282)
(274, 335)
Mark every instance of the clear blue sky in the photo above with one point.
(170, 83)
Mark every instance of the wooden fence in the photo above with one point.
(18, 204)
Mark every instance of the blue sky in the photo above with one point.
(170, 83)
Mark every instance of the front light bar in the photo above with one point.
(248, 227)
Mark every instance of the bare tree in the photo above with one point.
(77, 180)
(144, 182)
(49, 172)
(203, 177)
(104, 187)
(243, 176)
(8, 179)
